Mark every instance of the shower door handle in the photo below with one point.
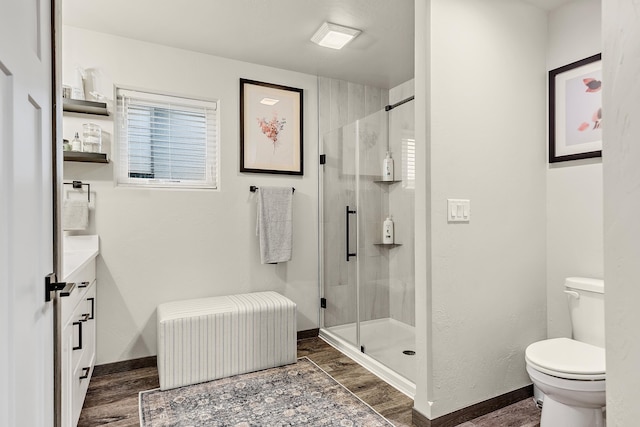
(346, 219)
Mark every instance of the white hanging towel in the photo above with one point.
(274, 224)
(75, 214)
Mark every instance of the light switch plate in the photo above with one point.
(458, 210)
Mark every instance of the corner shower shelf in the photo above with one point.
(380, 181)
(84, 107)
(77, 156)
(389, 245)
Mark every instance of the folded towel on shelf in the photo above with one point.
(75, 214)
(274, 224)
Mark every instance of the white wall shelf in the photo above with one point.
(380, 181)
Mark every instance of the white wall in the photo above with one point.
(487, 144)
(423, 248)
(162, 245)
(621, 78)
(574, 189)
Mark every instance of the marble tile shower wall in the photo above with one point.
(341, 103)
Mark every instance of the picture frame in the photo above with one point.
(271, 128)
(575, 110)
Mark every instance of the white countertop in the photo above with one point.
(78, 251)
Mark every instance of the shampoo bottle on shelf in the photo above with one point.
(387, 168)
(387, 231)
(76, 144)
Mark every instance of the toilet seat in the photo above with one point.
(567, 358)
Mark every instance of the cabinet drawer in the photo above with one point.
(89, 328)
(84, 369)
(80, 336)
(83, 278)
(79, 385)
(86, 273)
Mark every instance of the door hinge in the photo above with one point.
(323, 159)
(323, 303)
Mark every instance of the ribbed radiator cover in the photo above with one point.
(204, 339)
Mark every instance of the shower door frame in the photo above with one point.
(353, 349)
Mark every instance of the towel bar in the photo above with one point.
(253, 189)
(78, 185)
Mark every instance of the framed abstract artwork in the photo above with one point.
(270, 128)
(575, 110)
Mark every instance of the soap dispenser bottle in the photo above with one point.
(387, 168)
(387, 231)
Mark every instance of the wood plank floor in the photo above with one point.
(112, 398)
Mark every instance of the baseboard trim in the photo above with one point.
(125, 365)
(309, 333)
(474, 411)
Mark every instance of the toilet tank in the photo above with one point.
(586, 307)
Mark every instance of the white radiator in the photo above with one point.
(204, 339)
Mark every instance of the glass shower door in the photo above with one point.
(373, 208)
(385, 270)
(339, 231)
(369, 284)
(355, 270)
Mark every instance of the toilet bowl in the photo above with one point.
(571, 372)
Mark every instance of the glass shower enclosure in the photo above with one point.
(367, 284)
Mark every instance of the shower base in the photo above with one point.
(386, 344)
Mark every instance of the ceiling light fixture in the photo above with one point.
(269, 101)
(334, 36)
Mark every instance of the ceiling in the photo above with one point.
(271, 32)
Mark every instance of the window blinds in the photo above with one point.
(166, 141)
(409, 162)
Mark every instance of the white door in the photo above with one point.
(26, 225)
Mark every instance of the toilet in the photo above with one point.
(571, 372)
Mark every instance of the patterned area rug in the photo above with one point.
(295, 395)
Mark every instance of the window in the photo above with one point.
(408, 162)
(166, 141)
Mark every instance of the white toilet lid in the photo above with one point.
(567, 358)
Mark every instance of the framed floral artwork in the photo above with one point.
(575, 110)
(270, 128)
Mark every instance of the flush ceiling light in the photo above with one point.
(269, 101)
(334, 36)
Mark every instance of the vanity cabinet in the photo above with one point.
(78, 336)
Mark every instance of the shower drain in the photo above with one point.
(409, 352)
